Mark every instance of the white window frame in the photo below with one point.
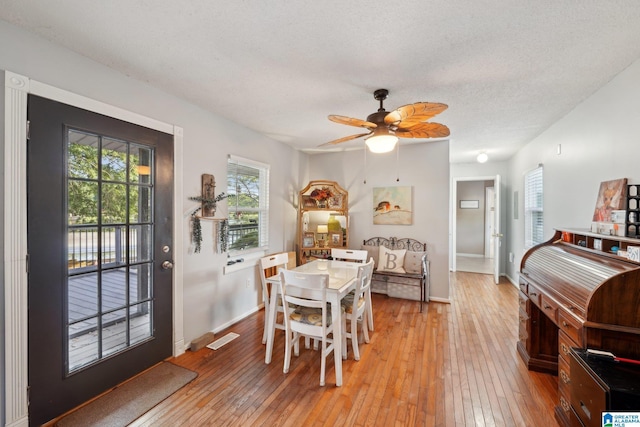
(263, 208)
(533, 207)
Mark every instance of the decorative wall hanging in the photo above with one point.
(469, 204)
(611, 196)
(392, 206)
(208, 205)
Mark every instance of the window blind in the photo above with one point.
(248, 203)
(533, 208)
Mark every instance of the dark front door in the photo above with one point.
(99, 226)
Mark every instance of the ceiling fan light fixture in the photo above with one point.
(382, 141)
(482, 157)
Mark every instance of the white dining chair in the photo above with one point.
(353, 255)
(310, 315)
(355, 310)
(356, 255)
(270, 267)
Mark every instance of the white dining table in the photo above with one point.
(342, 275)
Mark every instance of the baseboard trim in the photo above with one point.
(440, 300)
(237, 319)
(471, 255)
(513, 282)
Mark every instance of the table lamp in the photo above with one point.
(322, 229)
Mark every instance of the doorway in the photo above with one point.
(99, 227)
(475, 225)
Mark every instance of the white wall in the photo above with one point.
(600, 142)
(425, 167)
(2, 300)
(211, 299)
(470, 222)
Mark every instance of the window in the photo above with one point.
(248, 204)
(533, 212)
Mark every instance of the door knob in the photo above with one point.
(167, 265)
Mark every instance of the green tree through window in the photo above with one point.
(248, 203)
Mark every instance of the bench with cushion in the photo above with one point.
(401, 267)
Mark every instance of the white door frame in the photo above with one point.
(16, 90)
(489, 221)
(497, 234)
(454, 216)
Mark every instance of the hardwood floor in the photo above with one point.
(472, 264)
(453, 365)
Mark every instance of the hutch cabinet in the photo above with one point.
(323, 220)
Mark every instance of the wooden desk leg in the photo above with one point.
(271, 322)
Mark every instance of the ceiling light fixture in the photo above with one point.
(482, 157)
(383, 140)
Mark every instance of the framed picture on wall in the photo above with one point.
(392, 206)
(469, 204)
(308, 202)
(335, 240)
(308, 240)
(335, 202)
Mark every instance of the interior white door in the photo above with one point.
(497, 235)
(490, 223)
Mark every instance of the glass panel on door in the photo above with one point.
(110, 247)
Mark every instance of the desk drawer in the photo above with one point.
(522, 301)
(550, 308)
(534, 294)
(565, 405)
(588, 398)
(570, 326)
(564, 376)
(523, 286)
(564, 346)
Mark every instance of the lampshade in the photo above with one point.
(323, 229)
(482, 157)
(382, 141)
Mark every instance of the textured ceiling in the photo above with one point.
(507, 69)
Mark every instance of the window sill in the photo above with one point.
(249, 261)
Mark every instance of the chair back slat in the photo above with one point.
(354, 255)
(366, 273)
(303, 287)
(271, 265)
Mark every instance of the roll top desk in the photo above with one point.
(575, 292)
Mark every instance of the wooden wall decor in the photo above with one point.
(208, 193)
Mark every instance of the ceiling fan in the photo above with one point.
(384, 128)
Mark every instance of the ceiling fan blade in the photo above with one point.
(345, 139)
(352, 122)
(412, 114)
(424, 130)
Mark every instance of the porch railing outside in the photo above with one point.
(83, 247)
(83, 244)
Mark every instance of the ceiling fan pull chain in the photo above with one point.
(365, 164)
(398, 162)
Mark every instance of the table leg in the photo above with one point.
(336, 320)
(271, 321)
